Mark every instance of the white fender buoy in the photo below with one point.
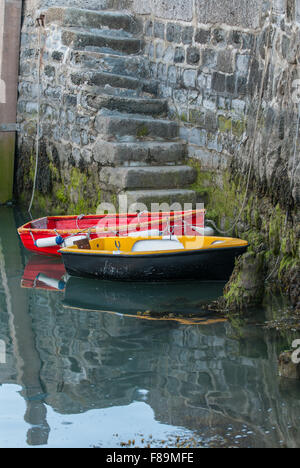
(51, 282)
(49, 242)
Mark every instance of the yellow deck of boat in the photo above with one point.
(127, 245)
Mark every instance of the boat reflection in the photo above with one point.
(44, 273)
(185, 301)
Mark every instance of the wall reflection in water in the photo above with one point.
(67, 354)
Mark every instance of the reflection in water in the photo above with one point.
(44, 273)
(23, 364)
(67, 356)
(158, 298)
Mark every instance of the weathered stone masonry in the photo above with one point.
(207, 57)
(203, 67)
(104, 128)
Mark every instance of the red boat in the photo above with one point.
(48, 235)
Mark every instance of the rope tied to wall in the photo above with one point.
(297, 135)
(39, 25)
(252, 147)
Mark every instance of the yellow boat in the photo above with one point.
(154, 258)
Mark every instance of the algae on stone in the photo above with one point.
(274, 253)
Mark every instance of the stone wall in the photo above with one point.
(210, 59)
(31, 7)
(227, 69)
(67, 178)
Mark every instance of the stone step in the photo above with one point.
(129, 65)
(118, 124)
(115, 81)
(135, 105)
(172, 199)
(139, 153)
(82, 18)
(137, 178)
(114, 92)
(100, 41)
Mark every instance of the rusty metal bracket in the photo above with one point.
(9, 127)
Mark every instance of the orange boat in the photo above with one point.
(48, 235)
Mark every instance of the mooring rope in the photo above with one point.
(296, 143)
(292, 180)
(252, 147)
(37, 144)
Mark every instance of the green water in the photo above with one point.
(88, 366)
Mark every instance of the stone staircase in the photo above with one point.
(138, 148)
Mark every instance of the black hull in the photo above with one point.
(207, 265)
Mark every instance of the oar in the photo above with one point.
(148, 223)
(125, 227)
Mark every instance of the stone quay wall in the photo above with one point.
(227, 68)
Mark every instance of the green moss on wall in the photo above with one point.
(224, 124)
(69, 189)
(238, 128)
(223, 197)
(273, 254)
(143, 132)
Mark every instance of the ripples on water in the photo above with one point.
(91, 365)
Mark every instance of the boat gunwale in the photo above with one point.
(25, 228)
(157, 254)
